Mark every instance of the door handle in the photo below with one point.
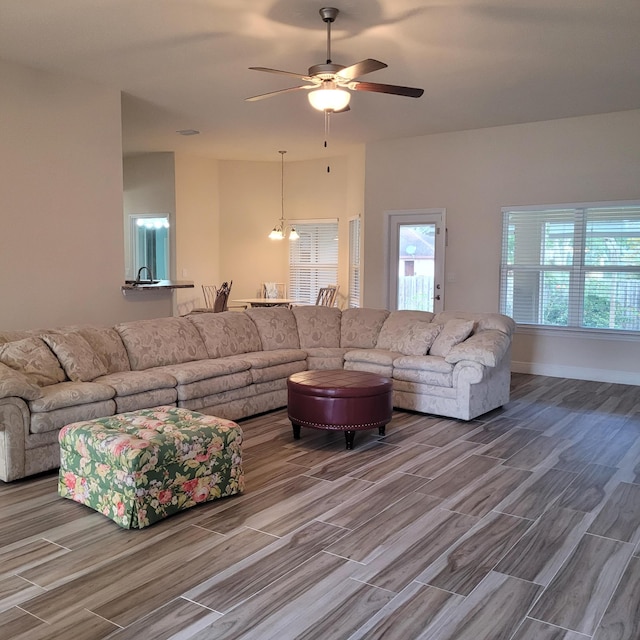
(438, 297)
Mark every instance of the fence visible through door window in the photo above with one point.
(416, 256)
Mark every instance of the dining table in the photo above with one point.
(267, 302)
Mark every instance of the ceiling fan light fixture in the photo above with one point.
(329, 99)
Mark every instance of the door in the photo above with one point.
(416, 243)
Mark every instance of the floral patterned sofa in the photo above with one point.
(236, 364)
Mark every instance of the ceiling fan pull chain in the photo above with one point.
(327, 115)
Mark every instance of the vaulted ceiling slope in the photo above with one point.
(184, 64)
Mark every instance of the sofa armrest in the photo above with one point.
(14, 425)
(16, 384)
(486, 347)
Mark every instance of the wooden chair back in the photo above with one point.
(327, 296)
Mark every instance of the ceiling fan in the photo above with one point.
(330, 82)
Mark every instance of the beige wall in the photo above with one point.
(250, 206)
(61, 245)
(473, 174)
(197, 228)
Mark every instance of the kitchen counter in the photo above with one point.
(160, 285)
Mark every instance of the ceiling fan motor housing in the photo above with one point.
(325, 71)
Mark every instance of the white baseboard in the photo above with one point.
(577, 373)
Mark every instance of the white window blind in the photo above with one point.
(354, 262)
(313, 259)
(572, 266)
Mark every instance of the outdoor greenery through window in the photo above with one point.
(313, 259)
(572, 266)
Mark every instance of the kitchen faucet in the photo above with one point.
(140, 270)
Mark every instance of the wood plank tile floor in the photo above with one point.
(523, 524)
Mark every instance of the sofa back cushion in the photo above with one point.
(161, 341)
(107, 343)
(276, 327)
(226, 334)
(360, 328)
(453, 332)
(33, 357)
(483, 321)
(77, 357)
(318, 327)
(396, 326)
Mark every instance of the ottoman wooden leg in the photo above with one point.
(348, 436)
(296, 431)
(381, 430)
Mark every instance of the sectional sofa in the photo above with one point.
(236, 364)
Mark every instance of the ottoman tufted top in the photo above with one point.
(339, 383)
(163, 435)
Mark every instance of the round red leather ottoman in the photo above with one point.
(339, 400)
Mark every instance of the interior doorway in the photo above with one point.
(416, 245)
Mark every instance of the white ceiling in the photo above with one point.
(184, 64)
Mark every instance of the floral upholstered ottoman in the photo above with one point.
(139, 467)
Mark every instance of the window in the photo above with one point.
(354, 262)
(313, 259)
(572, 266)
(149, 242)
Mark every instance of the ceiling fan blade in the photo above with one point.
(275, 93)
(360, 68)
(284, 73)
(410, 92)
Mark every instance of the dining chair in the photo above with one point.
(327, 296)
(210, 292)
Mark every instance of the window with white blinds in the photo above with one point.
(354, 262)
(313, 259)
(572, 266)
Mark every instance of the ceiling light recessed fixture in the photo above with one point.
(188, 132)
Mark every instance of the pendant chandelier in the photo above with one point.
(281, 229)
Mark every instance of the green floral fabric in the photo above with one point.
(139, 467)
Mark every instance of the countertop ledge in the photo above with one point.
(160, 285)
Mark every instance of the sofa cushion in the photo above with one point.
(48, 421)
(70, 394)
(32, 357)
(452, 333)
(318, 326)
(80, 362)
(17, 384)
(227, 333)
(423, 369)
(263, 359)
(483, 321)
(276, 327)
(485, 347)
(373, 356)
(127, 383)
(107, 343)
(395, 327)
(414, 339)
(360, 328)
(198, 370)
(211, 386)
(161, 341)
